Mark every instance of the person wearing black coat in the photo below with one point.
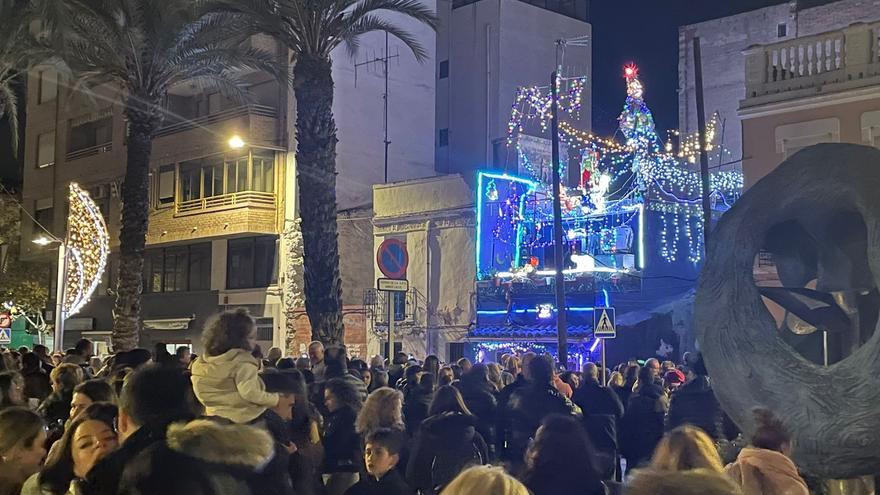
(382, 449)
(642, 425)
(529, 405)
(343, 458)
(479, 396)
(602, 410)
(695, 404)
(416, 405)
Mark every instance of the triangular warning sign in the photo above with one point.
(605, 326)
(5, 336)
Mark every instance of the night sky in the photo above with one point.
(646, 32)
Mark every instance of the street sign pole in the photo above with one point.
(604, 372)
(389, 296)
(58, 344)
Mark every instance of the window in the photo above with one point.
(166, 185)
(251, 262)
(265, 329)
(91, 134)
(237, 175)
(781, 30)
(178, 268)
(399, 306)
(263, 173)
(46, 149)
(443, 70)
(444, 137)
(48, 86)
(43, 215)
(216, 176)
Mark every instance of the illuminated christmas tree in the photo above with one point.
(637, 126)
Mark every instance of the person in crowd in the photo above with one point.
(377, 362)
(691, 482)
(336, 363)
(465, 365)
(151, 399)
(379, 379)
(485, 480)
(686, 447)
(447, 442)
(672, 381)
(367, 377)
(56, 408)
(382, 452)
(765, 466)
(653, 364)
(90, 437)
(602, 410)
(87, 393)
(509, 369)
(22, 447)
(316, 360)
(305, 462)
(342, 444)
(502, 429)
(493, 373)
(95, 366)
(456, 372)
(395, 371)
(36, 379)
(203, 457)
(416, 405)
(272, 357)
(479, 395)
(382, 409)
(42, 352)
(666, 366)
(642, 425)
(571, 379)
(446, 377)
(276, 421)
(560, 460)
(630, 377)
(410, 379)
(432, 366)
(82, 353)
(530, 404)
(162, 357)
(615, 381)
(184, 356)
(695, 404)
(226, 379)
(11, 390)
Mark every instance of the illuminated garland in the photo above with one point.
(536, 102)
(88, 246)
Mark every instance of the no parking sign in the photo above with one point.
(392, 258)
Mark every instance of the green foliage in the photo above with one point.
(25, 284)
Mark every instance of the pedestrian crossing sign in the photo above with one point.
(5, 336)
(603, 323)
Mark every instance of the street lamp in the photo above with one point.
(43, 241)
(236, 142)
(60, 282)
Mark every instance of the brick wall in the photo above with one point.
(355, 332)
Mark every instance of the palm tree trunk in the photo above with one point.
(143, 121)
(316, 179)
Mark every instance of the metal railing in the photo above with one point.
(91, 150)
(185, 125)
(254, 199)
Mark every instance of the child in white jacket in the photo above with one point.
(226, 380)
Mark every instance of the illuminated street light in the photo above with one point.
(236, 142)
(42, 241)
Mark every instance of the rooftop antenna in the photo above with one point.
(384, 61)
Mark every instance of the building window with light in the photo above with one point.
(251, 262)
(227, 174)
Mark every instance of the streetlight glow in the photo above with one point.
(42, 241)
(236, 142)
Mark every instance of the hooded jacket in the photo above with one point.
(229, 386)
(444, 439)
(766, 472)
(204, 457)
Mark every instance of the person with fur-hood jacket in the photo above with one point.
(204, 457)
(448, 441)
(765, 468)
(226, 380)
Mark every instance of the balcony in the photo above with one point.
(816, 65)
(244, 199)
(90, 151)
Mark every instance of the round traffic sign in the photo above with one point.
(392, 258)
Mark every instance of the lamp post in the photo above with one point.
(58, 334)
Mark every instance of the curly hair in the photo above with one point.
(67, 375)
(228, 330)
(383, 409)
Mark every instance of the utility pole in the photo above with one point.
(384, 61)
(701, 133)
(561, 316)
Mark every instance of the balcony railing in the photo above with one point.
(207, 120)
(91, 150)
(825, 62)
(254, 199)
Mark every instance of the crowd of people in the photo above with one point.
(232, 421)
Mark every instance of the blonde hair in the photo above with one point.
(616, 380)
(67, 376)
(691, 482)
(684, 448)
(382, 409)
(485, 480)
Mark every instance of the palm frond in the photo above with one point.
(371, 23)
(9, 109)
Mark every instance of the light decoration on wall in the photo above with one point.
(544, 311)
(641, 170)
(87, 249)
(535, 103)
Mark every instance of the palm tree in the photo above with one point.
(312, 29)
(146, 47)
(14, 49)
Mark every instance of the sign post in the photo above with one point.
(391, 286)
(604, 327)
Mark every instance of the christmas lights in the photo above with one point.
(87, 246)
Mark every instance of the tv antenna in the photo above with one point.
(384, 61)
